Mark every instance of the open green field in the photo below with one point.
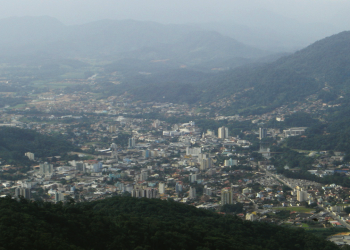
(296, 209)
(19, 106)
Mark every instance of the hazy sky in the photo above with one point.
(180, 11)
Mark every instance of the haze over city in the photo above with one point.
(199, 125)
(331, 12)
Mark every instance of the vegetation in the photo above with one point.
(15, 142)
(130, 223)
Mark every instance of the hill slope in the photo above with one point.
(130, 223)
(322, 66)
(15, 142)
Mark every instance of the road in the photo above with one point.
(278, 178)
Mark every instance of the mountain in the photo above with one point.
(111, 40)
(321, 68)
(131, 223)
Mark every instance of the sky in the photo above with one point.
(333, 12)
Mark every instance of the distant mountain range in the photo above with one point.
(322, 68)
(177, 45)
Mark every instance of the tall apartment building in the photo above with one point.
(192, 178)
(226, 196)
(25, 192)
(112, 129)
(46, 169)
(131, 143)
(144, 175)
(207, 190)
(178, 187)
(161, 187)
(192, 193)
(59, 196)
(223, 132)
(262, 133)
(302, 195)
(205, 162)
(144, 193)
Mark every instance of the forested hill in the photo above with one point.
(131, 223)
(15, 142)
(322, 68)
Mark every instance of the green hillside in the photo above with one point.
(15, 142)
(130, 223)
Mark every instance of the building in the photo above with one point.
(178, 187)
(193, 151)
(144, 175)
(294, 131)
(302, 195)
(192, 178)
(192, 193)
(223, 132)
(30, 156)
(262, 133)
(230, 162)
(161, 187)
(131, 143)
(79, 165)
(146, 153)
(210, 132)
(156, 124)
(24, 192)
(112, 129)
(204, 162)
(226, 196)
(149, 193)
(207, 190)
(251, 217)
(46, 169)
(59, 196)
(246, 190)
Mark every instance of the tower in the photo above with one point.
(262, 133)
(192, 193)
(131, 143)
(223, 132)
(226, 196)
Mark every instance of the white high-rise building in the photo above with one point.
(301, 195)
(262, 133)
(223, 132)
(161, 187)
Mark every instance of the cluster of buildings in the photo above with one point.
(122, 153)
